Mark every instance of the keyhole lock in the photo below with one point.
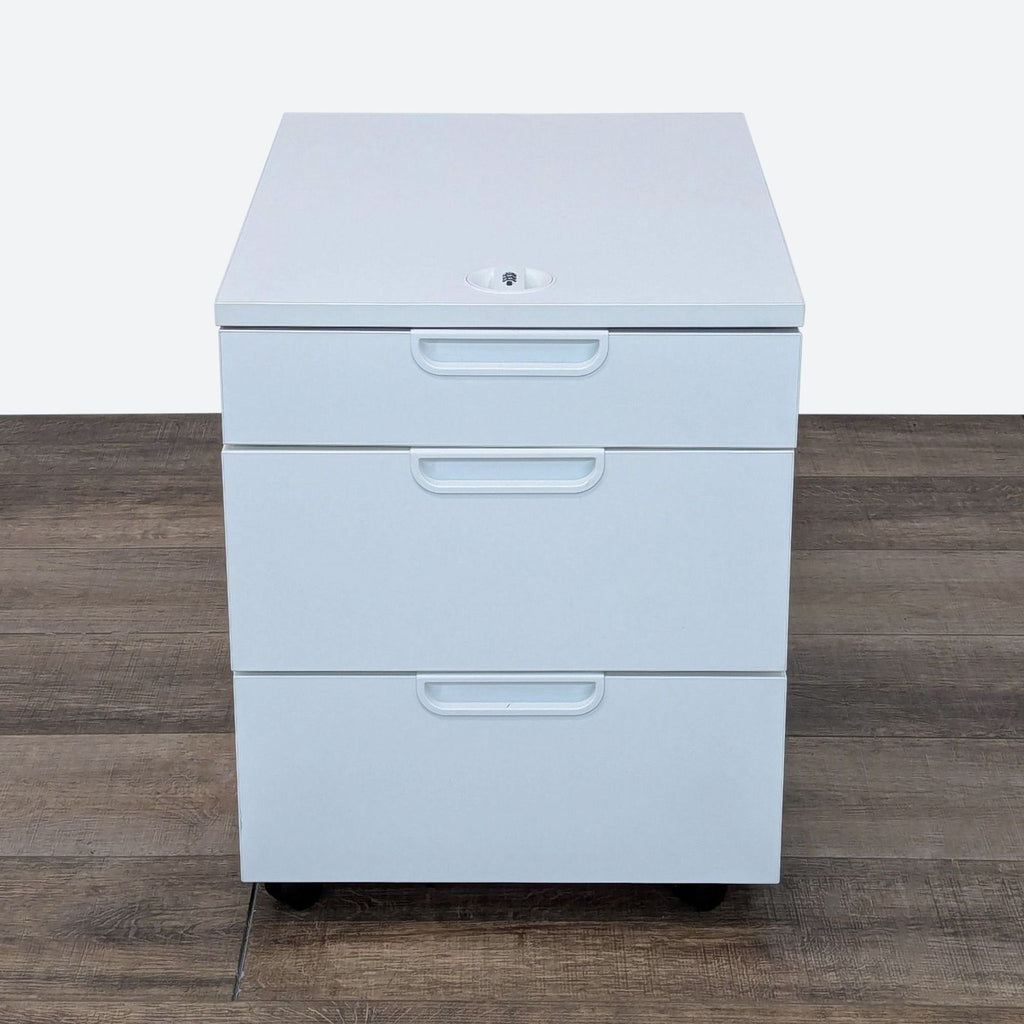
(510, 280)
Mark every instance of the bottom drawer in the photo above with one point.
(557, 778)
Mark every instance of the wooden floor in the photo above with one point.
(902, 900)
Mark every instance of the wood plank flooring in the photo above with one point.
(903, 891)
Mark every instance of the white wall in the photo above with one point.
(890, 133)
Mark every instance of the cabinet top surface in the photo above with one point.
(642, 220)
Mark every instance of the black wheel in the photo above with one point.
(295, 895)
(701, 898)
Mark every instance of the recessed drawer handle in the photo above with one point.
(507, 470)
(521, 693)
(509, 353)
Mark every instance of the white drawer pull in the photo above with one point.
(467, 353)
(523, 693)
(507, 470)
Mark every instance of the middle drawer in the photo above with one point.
(507, 559)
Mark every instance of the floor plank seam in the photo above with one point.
(871, 737)
(141, 633)
(233, 855)
(149, 549)
(896, 737)
(873, 635)
(64, 634)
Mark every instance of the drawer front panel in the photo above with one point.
(510, 560)
(663, 779)
(578, 388)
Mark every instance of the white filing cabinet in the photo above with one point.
(509, 416)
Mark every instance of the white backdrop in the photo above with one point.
(890, 134)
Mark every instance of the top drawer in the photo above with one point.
(606, 389)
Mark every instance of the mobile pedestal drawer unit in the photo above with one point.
(509, 418)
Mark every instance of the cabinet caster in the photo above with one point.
(295, 895)
(701, 898)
